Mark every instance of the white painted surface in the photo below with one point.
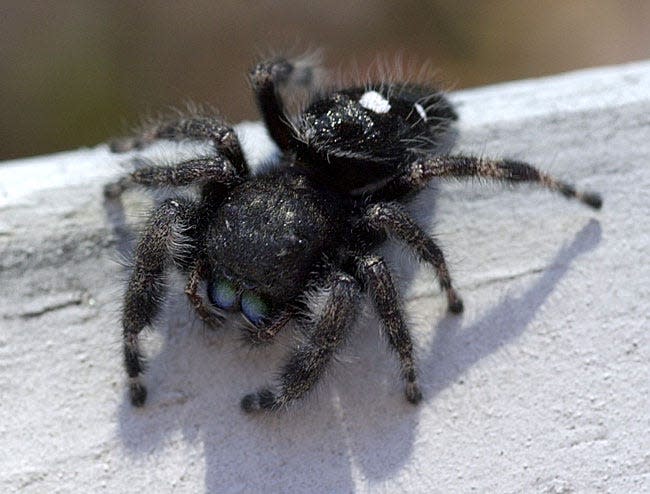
(543, 385)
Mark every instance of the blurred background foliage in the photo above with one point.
(75, 72)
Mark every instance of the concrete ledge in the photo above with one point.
(541, 386)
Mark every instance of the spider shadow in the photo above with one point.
(455, 348)
(196, 380)
(381, 441)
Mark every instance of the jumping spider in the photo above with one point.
(262, 244)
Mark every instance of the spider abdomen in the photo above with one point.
(356, 138)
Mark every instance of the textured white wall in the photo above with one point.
(543, 385)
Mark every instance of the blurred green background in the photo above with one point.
(77, 72)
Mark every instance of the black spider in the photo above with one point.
(262, 244)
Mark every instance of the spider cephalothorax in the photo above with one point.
(261, 244)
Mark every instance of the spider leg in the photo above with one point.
(267, 78)
(196, 171)
(308, 361)
(203, 309)
(267, 333)
(422, 171)
(201, 128)
(379, 283)
(164, 243)
(390, 218)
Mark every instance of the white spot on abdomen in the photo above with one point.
(421, 111)
(374, 101)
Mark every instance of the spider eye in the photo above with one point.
(254, 308)
(223, 294)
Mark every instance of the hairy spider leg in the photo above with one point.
(325, 336)
(391, 219)
(422, 171)
(193, 128)
(163, 244)
(267, 78)
(196, 171)
(198, 273)
(266, 333)
(378, 282)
